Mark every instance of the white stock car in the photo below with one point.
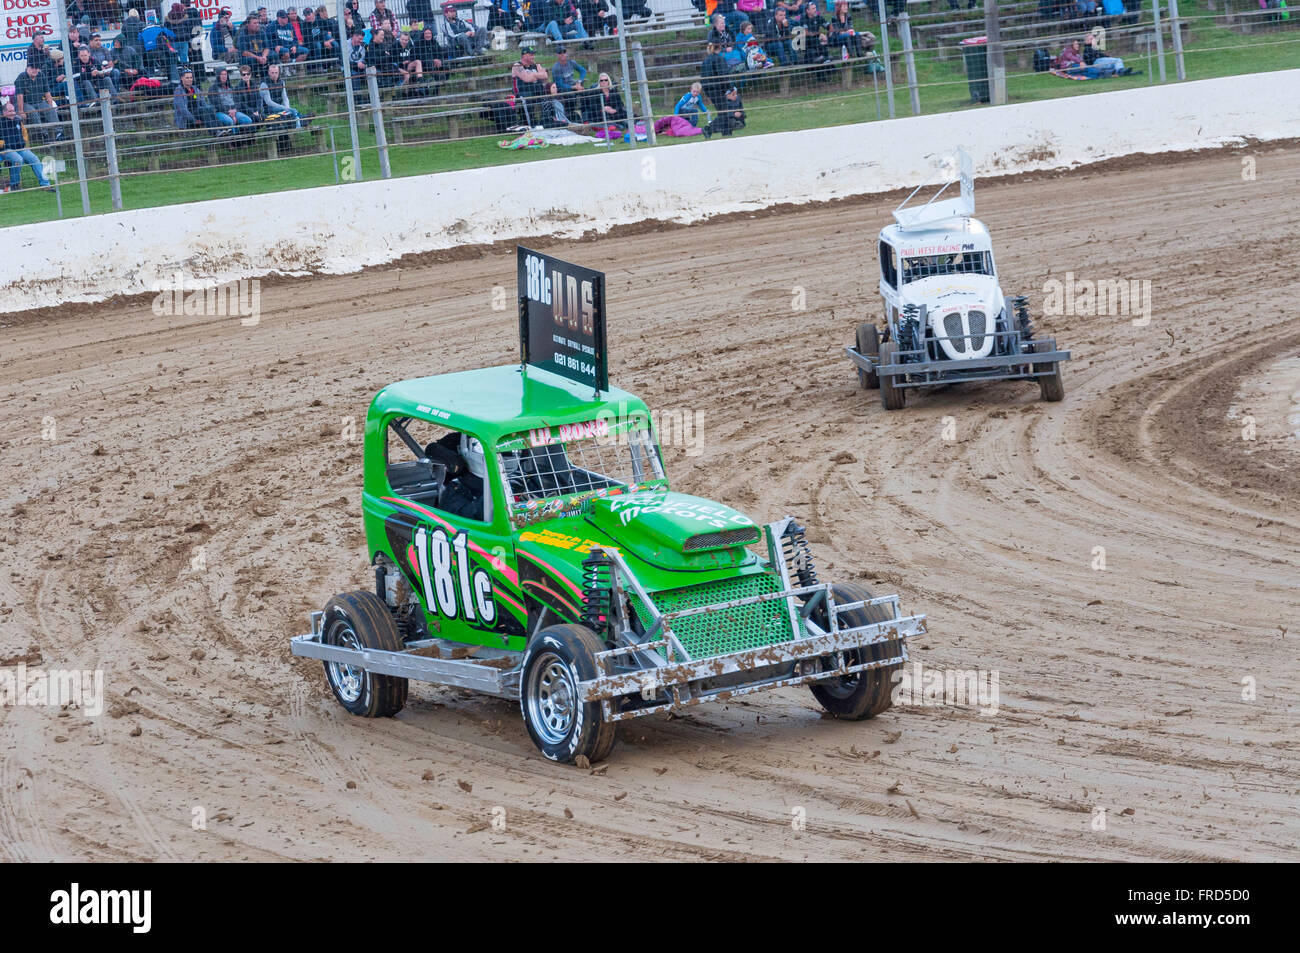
(946, 319)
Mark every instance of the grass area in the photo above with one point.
(1212, 51)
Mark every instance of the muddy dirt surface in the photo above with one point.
(197, 499)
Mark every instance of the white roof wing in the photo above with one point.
(956, 166)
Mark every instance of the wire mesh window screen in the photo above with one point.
(580, 466)
(963, 263)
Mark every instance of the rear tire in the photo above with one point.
(561, 727)
(868, 346)
(1051, 385)
(865, 694)
(361, 620)
(892, 397)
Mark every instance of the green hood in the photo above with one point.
(675, 530)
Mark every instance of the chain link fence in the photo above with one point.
(406, 90)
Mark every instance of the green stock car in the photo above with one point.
(526, 544)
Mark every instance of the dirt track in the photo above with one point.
(1119, 689)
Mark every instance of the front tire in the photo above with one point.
(868, 346)
(361, 620)
(892, 397)
(562, 727)
(865, 694)
(1051, 385)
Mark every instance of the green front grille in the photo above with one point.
(724, 630)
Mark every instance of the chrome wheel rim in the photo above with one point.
(348, 681)
(552, 698)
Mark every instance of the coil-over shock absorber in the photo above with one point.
(798, 555)
(909, 328)
(1020, 304)
(597, 591)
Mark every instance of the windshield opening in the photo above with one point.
(960, 263)
(577, 462)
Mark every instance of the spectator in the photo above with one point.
(636, 10)
(357, 57)
(551, 111)
(327, 28)
(731, 17)
(755, 56)
(382, 57)
(713, 73)
(718, 32)
(248, 96)
(779, 42)
(382, 19)
(610, 107)
(352, 22)
(191, 110)
(130, 63)
(131, 28)
(691, 105)
(420, 12)
(409, 68)
(604, 20)
(82, 79)
(37, 53)
(1096, 57)
(320, 44)
(1070, 56)
(55, 75)
(428, 52)
(506, 14)
(734, 56)
(106, 74)
(567, 73)
(175, 21)
(223, 39)
(456, 36)
(730, 117)
(223, 98)
(754, 11)
(34, 102)
(14, 151)
(253, 50)
(282, 41)
(841, 32)
(275, 98)
(563, 21)
(815, 39)
(529, 81)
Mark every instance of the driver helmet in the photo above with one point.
(472, 451)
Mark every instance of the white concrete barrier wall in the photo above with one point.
(344, 228)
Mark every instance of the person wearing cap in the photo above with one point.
(282, 41)
(191, 109)
(567, 73)
(562, 21)
(529, 81)
(730, 117)
(456, 36)
(34, 101)
(131, 28)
